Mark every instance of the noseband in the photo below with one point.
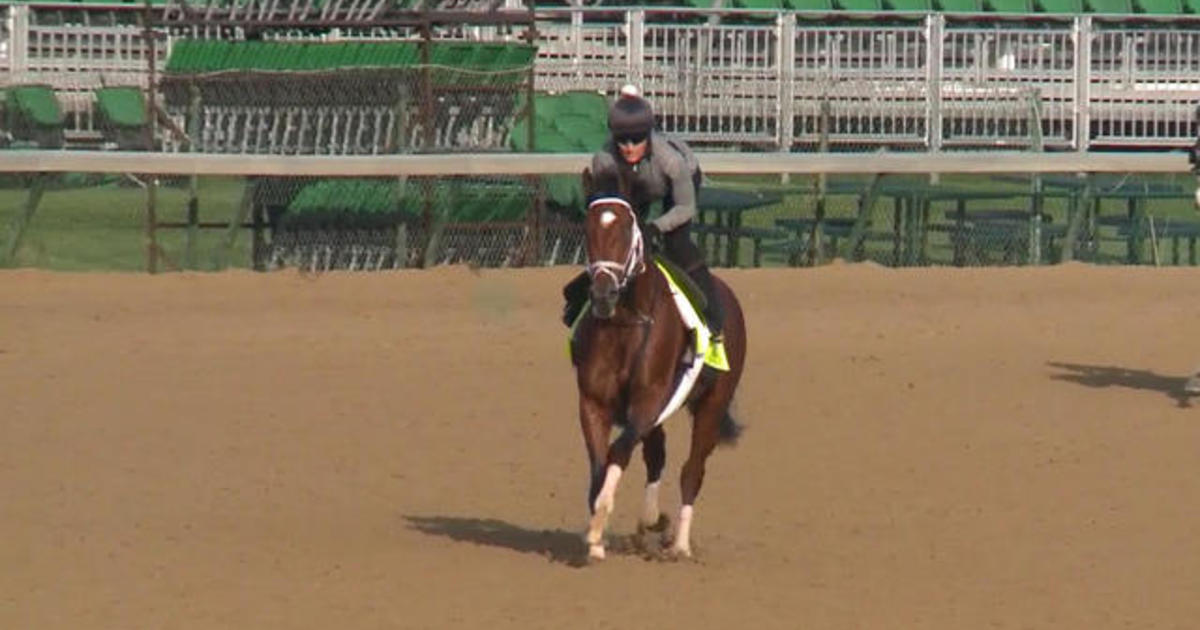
(634, 264)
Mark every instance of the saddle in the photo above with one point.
(683, 280)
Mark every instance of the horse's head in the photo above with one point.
(614, 245)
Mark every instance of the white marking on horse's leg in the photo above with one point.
(650, 505)
(683, 533)
(600, 511)
(1192, 386)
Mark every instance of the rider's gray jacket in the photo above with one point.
(667, 171)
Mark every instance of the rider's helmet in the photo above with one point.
(630, 119)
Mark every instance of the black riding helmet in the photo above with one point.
(630, 118)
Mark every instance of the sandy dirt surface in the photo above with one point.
(929, 448)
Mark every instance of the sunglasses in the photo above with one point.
(631, 139)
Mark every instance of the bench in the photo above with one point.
(755, 235)
(1178, 231)
(977, 234)
(833, 229)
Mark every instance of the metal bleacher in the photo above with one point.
(782, 74)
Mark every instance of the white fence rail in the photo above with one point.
(715, 163)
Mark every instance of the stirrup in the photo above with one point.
(715, 354)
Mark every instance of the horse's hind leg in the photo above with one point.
(654, 453)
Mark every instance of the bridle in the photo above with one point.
(634, 262)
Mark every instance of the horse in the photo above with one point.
(629, 350)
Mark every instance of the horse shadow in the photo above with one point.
(556, 545)
(1100, 376)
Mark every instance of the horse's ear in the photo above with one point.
(589, 187)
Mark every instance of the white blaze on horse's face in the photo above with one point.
(607, 218)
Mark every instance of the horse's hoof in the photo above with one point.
(661, 525)
(1192, 386)
(679, 553)
(595, 553)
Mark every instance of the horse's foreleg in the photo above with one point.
(654, 454)
(602, 505)
(707, 416)
(596, 421)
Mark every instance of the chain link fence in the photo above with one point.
(82, 221)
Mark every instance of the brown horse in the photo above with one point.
(631, 351)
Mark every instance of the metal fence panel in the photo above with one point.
(872, 80)
(997, 82)
(1144, 85)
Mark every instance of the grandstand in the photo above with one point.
(913, 75)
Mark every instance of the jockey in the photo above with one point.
(662, 168)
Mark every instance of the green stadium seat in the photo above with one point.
(909, 5)
(121, 116)
(1160, 7)
(1109, 6)
(1060, 6)
(1009, 6)
(773, 5)
(860, 5)
(810, 5)
(960, 6)
(33, 114)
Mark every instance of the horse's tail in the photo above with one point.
(730, 430)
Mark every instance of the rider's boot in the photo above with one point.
(714, 314)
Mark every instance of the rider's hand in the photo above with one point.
(652, 236)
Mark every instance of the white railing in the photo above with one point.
(786, 81)
(715, 163)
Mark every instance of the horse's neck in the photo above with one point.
(644, 290)
(620, 342)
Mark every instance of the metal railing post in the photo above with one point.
(1082, 33)
(636, 24)
(785, 132)
(934, 29)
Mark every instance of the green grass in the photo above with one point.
(102, 227)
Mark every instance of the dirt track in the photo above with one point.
(929, 448)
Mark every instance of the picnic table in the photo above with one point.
(720, 217)
(1087, 195)
(1176, 230)
(974, 234)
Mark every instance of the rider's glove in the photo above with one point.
(653, 237)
